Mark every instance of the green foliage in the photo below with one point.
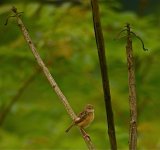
(65, 39)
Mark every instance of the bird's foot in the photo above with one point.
(85, 135)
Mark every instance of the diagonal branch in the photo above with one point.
(43, 66)
(6, 110)
(48, 75)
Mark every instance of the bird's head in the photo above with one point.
(89, 108)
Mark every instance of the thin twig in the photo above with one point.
(132, 92)
(145, 49)
(6, 110)
(104, 73)
(48, 75)
(20, 91)
(118, 35)
(19, 13)
(138, 37)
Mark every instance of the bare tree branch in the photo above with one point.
(48, 75)
(104, 73)
(6, 110)
(132, 92)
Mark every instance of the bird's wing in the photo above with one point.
(81, 116)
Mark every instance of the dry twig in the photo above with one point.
(6, 110)
(132, 86)
(48, 75)
(132, 92)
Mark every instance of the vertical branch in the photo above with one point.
(132, 92)
(132, 87)
(48, 75)
(104, 73)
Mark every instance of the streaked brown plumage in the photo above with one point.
(84, 118)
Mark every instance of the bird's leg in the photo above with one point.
(85, 135)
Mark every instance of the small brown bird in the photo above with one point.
(84, 118)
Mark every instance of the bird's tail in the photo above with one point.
(70, 127)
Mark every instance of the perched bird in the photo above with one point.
(84, 118)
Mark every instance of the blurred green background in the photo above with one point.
(63, 34)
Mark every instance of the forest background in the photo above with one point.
(64, 36)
